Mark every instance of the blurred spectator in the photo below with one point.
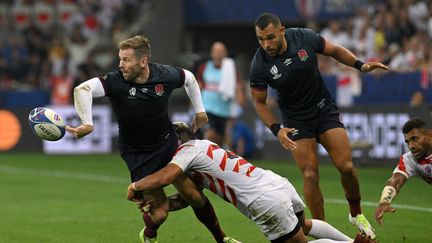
(242, 140)
(348, 86)
(337, 34)
(43, 14)
(418, 13)
(79, 47)
(417, 99)
(397, 60)
(61, 88)
(58, 54)
(218, 80)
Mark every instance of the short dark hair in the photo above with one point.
(184, 131)
(267, 18)
(413, 123)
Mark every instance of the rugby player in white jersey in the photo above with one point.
(263, 196)
(417, 162)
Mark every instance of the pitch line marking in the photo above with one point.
(374, 204)
(124, 180)
(64, 174)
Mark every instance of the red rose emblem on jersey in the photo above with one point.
(303, 55)
(159, 89)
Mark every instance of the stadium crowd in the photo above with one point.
(52, 44)
(397, 33)
(44, 43)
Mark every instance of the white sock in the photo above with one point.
(328, 241)
(323, 230)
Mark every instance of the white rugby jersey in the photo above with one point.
(224, 173)
(409, 166)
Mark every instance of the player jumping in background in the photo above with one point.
(417, 162)
(287, 61)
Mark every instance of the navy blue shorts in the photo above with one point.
(141, 163)
(327, 118)
(217, 123)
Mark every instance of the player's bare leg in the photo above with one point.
(201, 206)
(305, 156)
(337, 144)
(157, 215)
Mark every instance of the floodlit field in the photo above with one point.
(81, 199)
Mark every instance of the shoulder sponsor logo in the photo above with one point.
(287, 61)
(159, 89)
(303, 55)
(321, 104)
(144, 90)
(275, 72)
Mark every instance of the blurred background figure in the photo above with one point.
(240, 138)
(218, 81)
(417, 99)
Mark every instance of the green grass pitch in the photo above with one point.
(82, 198)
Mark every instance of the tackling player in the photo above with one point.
(417, 162)
(263, 196)
(139, 93)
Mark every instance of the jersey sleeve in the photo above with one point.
(256, 75)
(185, 157)
(313, 39)
(176, 76)
(111, 82)
(405, 166)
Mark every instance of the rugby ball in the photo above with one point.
(47, 124)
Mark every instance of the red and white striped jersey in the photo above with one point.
(409, 166)
(224, 173)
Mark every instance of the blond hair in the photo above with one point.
(140, 44)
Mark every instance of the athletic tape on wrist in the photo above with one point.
(388, 194)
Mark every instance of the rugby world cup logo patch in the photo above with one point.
(159, 89)
(303, 55)
(274, 71)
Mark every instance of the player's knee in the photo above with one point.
(311, 176)
(159, 215)
(347, 169)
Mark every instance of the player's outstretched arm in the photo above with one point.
(388, 194)
(83, 99)
(348, 58)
